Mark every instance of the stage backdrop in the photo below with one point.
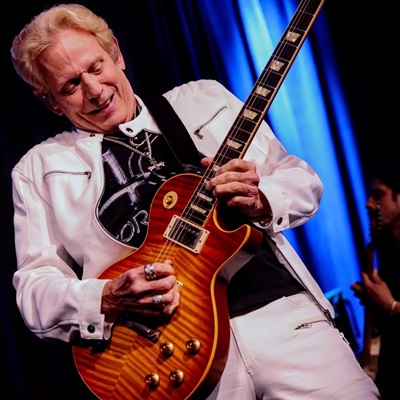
(331, 111)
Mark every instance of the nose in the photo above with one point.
(373, 207)
(373, 203)
(92, 88)
(370, 204)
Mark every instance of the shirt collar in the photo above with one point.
(142, 121)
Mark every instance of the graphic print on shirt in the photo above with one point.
(133, 171)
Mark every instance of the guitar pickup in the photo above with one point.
(187, 234)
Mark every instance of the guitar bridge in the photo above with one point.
(187, 234)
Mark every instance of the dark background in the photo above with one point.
(364, 36)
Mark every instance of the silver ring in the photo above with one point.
(149, 272)
(157, 299)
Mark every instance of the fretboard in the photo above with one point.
(255, 107)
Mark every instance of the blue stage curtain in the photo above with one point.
(309, 115)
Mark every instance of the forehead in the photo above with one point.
(378, 189)
(71, 53)
(376, 183)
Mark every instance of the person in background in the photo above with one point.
(82, 202)
(381, 289)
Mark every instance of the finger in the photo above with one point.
(157, 300)
(156, 270)
(234, 184)
(149, 272)
(238, 165)
(169, 298)
(366, 278)
(162, 300)
(206, 161)
(173, 305)
(376, 277)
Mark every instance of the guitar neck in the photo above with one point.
(255, 107)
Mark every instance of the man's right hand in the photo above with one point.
(133, 292)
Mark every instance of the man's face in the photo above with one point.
(85, 84)
(381, 198)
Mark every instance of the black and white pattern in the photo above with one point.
(131, 181)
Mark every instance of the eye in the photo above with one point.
(97, 67)
(71, 86)
(376, 194)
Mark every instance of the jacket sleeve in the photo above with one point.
(53, 301)
(290, 184)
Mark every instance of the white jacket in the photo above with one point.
(57, 186)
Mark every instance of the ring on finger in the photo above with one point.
(157, 299)
(149, 272)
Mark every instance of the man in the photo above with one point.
(381, 289)
(82, 203)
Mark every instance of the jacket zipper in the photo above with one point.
(197, 131)
(87, 173)
(325, 311)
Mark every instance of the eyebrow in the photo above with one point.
(97, 60)
(376, 192)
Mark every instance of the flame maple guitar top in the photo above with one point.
(120, 370)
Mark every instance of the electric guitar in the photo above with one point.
(184, 356)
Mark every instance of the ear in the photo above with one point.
(48, 101)
(119, 57)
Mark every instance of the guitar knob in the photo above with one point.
(177, 377)
(193, 346)
(152, 380)
(166, 349)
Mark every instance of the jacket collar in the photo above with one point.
(143, 121)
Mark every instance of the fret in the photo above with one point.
(215, 167)
(255, 107)
(198, 209)
(310, 6)
(271, 80)
(240, 135)
(277, 66)
(258, 103)
(229, 155)
(194, 216)
(285, 52)
(292, 37)
(249, 114)
(203, 204)
(302, 23)
(244, 126)
(261, 91)
(202, 196)
(234, 144)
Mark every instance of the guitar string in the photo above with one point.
(266, 74)
(276, 55)
(237, 127)
(263, 79)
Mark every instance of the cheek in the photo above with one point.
(71, 105)
(390, 211)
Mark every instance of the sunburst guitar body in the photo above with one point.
(184, 356)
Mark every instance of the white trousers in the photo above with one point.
(270, 359)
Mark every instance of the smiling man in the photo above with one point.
(83, 201)
(88, 85)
